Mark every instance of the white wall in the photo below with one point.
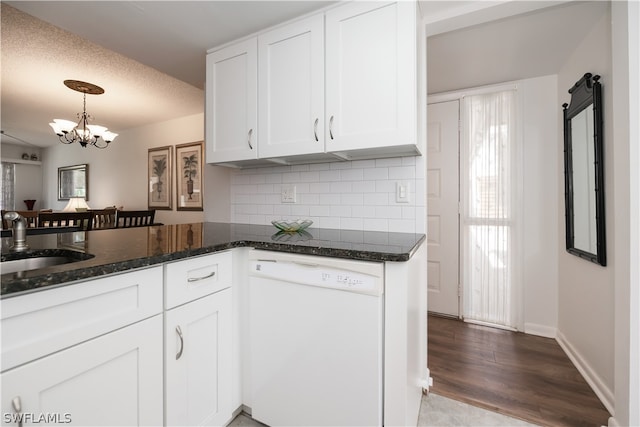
(353, 195)
(28, 185)
(625, 23)
(540, 205)
(118, 174)
(586, 289)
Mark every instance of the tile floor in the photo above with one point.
(435, 411)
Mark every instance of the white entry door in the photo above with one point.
(442, 214)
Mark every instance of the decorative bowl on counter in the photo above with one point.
(291, 237)
(292, 226)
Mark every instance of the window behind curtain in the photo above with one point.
(7, 201)
(490, 170)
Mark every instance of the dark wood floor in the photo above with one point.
(520, 375)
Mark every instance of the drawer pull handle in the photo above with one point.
(331, 127)
(17, 407)
(197, 279)
(249, 139)
(315, 129)
(179, 332)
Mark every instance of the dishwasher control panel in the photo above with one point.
(317, 275)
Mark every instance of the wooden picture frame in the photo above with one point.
(159, 173)
(189, 191)
(73, 181)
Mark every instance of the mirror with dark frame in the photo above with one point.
(584, 171)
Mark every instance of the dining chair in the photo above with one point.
(103, 218)
(30, 216)
(82, 220)
(126, 219)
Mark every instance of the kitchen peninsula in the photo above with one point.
(86, 319)
(119, 250)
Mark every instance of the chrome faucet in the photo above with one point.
(19, 231)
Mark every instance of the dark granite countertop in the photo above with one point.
(119, 250)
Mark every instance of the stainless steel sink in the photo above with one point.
(40, 259)
(33, 263)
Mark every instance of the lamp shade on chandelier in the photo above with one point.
(82, 132)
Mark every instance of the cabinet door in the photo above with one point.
(231, 93)
(198, 370)
(115, 379)
(291, 89)
(370, 75)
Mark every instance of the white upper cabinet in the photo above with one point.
(371, 90)
(291, 89)
(232, 104)
(347, 84)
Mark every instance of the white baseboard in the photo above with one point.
(591, 377)
(540, 330)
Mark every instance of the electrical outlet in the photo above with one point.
(288, 194)
(402, 192)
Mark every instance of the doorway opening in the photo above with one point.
(474, 177)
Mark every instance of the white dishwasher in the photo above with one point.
(316, 337)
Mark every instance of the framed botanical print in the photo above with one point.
(159, 174)
(189, 180)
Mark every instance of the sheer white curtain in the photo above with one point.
(7, 201)
(491, 170)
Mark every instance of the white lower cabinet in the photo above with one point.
(198, 340)
(115, 379)
(198, 349)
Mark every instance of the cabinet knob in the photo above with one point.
(179, 332)
(331, 127)
(249, 139)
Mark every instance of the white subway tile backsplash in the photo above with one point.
(402, 172)
(376, 199)
(320, 166)
(320, 187)
(372, 174)
(329, 175)
(351, 175)
(363, 187)
(356, 195)
(329, 199)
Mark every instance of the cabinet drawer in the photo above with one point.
(41, 323)
(196, 277)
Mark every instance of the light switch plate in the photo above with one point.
(402, 192)
(288, 194)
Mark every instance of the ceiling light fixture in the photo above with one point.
(82, 132)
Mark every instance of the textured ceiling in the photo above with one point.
(149, 56)
(37, 57)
